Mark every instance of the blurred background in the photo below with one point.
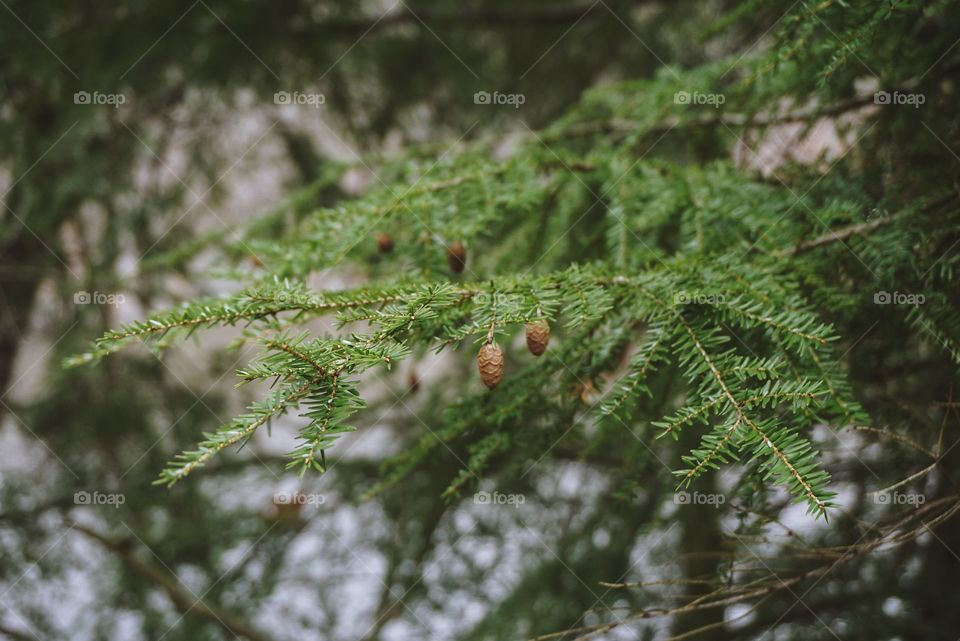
(129, 131)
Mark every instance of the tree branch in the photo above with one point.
(182, 599)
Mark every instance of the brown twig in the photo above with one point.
(183, 599)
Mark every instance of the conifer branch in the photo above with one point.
(808, 486)
(241, 428)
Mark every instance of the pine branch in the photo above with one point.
(249, 305)
(239, 429)
(863, 229)
(793, 457)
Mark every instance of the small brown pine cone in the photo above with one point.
(538, 335)
(490, 364)
(456, 256)
(384, 242)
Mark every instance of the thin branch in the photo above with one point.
(184, 600)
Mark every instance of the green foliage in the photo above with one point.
(700, 271)
(710, 272)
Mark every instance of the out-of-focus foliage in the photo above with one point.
(747, 243)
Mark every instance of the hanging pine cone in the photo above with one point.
(538, 335)
(490, 364)
(384, 242)
(456, 256)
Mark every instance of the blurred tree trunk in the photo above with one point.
(700, 540)
(940, 556)
(20, 273)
